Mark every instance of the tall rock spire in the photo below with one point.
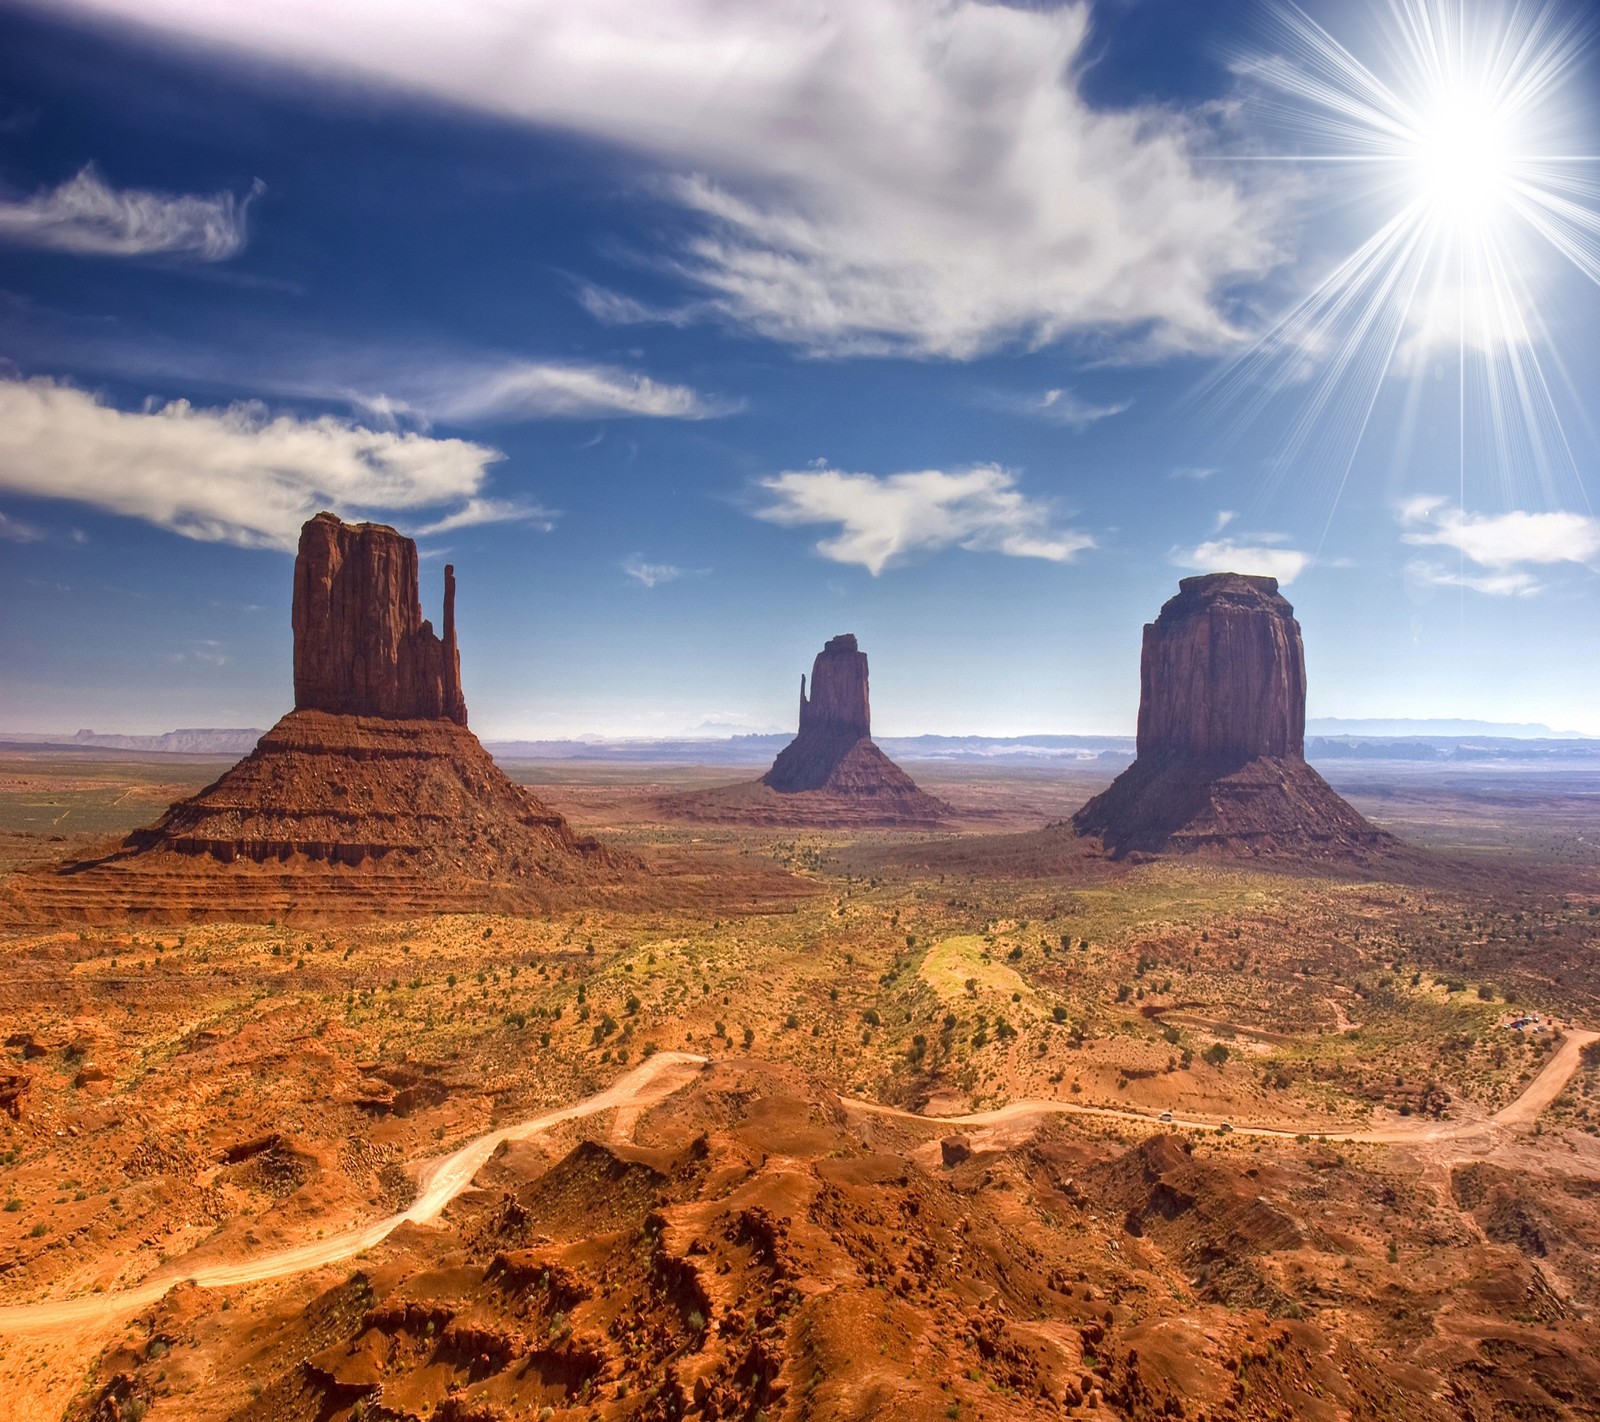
(361, 645)
(833, 754)
(370, 799)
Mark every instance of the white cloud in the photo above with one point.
(15, 531)
(88, 217)
(884, 520)
(1500, 543)
(237, 475)
(1263, 555)
(612, 308)
(652, 574)
(1508, 584)
(1061, 407)
(1501, 540)
(915, 176)
(1198, 474)
(391, 387)
(1486, 318)
(477, 511)
(549, 390)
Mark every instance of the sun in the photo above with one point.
(1458, 125)
(1464, 159)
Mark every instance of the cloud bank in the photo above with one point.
(235, 475)
(87, 217)
(861, 176)
(886, 520)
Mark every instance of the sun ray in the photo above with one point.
(1459, 120)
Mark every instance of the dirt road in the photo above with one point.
(1535, 1097)
(440, 1182)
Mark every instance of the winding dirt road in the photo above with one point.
(440, 1182)
(1535, 1097)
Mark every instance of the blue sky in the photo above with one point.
(694, 333)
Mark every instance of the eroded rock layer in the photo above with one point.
(765, 1249)
(1221, 763)
(339, 817)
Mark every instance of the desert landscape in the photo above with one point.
(989, 1115)
(1150, 973)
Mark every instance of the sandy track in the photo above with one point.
(1535, 1097)
(440, 1182)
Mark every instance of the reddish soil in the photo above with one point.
(758, 1249)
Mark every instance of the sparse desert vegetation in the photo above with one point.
(185, 1096)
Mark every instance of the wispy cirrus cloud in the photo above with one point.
(862, 176)
(477, 511)
(14, 530)
(1505, 547)
(654, 574)
(1059, 406)
(884, 520)
(559, 390)
(236, 474)
(88, 217)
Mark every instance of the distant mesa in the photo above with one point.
(832, 772)
(1221, 749)
(370, 798)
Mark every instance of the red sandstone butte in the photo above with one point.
(370, 799)
(1221, 750)
(831, 774)
(833, 754)
(361, 645)
(833, 720)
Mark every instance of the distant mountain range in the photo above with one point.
(195, 741)
(1401, 726)
(1328, 739)
(760, 749)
